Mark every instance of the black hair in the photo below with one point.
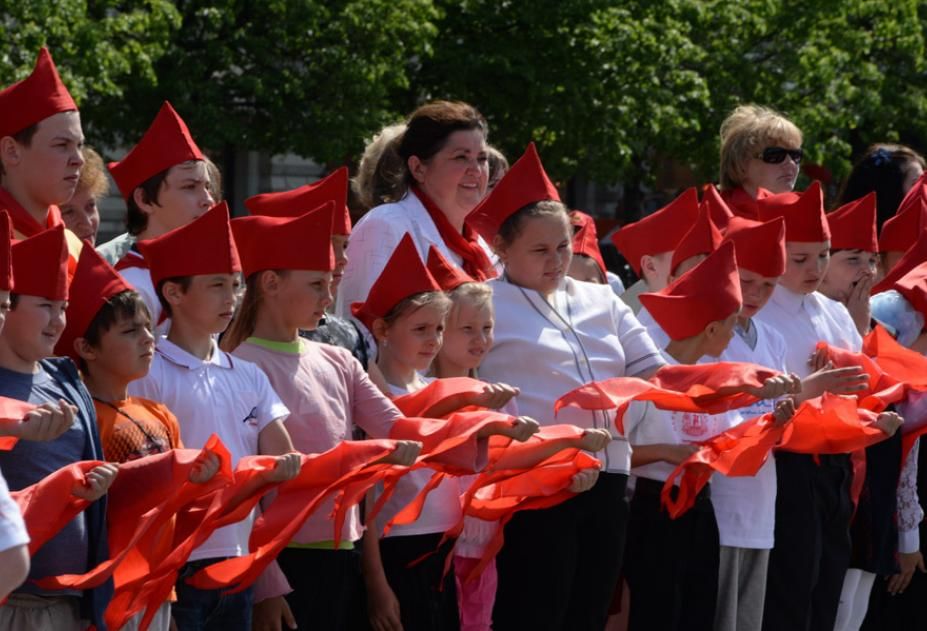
(136, 220)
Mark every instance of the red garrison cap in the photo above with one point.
(448, 275)
(35, 98)
(853, 225)
(718, 209)
(279, 243)
(702, 238)
(658, 232)
(40, 264)
(804, 214)
(760, 246)
(306, 198)
(901, 231)
(586, 239)
(707, 293)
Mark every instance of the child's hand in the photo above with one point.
(383, 607)
(521, 429)
(97, 482)
(889, 422)
(584, 480)
(46, 422)
(595, 439)
(204, 468)
(677, 454)
(848, 380)
(268, 614)
(405, 453)
(858, 304)
(777, 386)
(495, 396)
(286, 468)
(783, 412)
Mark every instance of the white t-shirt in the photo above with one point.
(140, 279)
(656, 332)
(223, 395)
(585, 334)
(745, 507)
(12, 528)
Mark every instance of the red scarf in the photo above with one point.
(465, 245)
(23, 222)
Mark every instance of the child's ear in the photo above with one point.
(138, 195)
(269, 282)
(10, 153)
(379, 329)
(172, 292)
(84, 350)
(498, 246)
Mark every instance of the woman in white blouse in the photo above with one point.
(442, 175)
(559, 566)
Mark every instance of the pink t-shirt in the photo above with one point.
(327, 393)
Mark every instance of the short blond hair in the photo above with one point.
(93, 174)
(746, 131)
(480, 294)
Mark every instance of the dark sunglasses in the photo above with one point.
(775, 155)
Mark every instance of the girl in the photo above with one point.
(553, 334)
(326, 390)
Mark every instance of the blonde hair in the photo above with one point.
(411, 304)
(747, 130)
(480, 294)
(93, 174)
(498, 165)
(380, 164)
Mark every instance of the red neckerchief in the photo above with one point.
(23, 222)
(465, 245)
(131, 259)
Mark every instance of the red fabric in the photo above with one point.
(464, 244)
(280, 243)
(804, 214)
(49, 504)
(853, 225)
(35, 98)
(448, 275)
(659, 232)
(586, 239)
(203, 246)
(720, 213)
(94, 282)
(913, 257)
(707, 293)
(702, 238)
(12, 411)
(913, 286)
(24, 225)
(40, 264)
(900, 232)
(760, 246)
(525, 183)
(741, 204)
(842, 427)
(898, 361)
(6, 259)
(439, 391)
(404, 275)
(707, 388)
(166, 143)
(320, 475)
(130, 260)
(309, 198)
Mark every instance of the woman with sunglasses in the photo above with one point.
(760, 149)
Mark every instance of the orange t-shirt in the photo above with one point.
(135, 427)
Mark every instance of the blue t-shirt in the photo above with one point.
(80, 545)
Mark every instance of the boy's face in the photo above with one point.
(806, 264)
(125, 349)
(756, 291)
(32, 329)
(48, 169)
(184, 195)
(208, 304)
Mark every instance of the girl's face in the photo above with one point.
(756, 291)
(456, 177)
(340, 248)
(846, 269)
(303, 296)
(413, 340)
(805, 266)
(468, 336)
(539, 257)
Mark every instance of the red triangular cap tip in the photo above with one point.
(853, 225)
(658, 232)
(40, 264)
(299, 243)
(702, 238)
(35, 98)
(298, 201)
(760, 246)
(448, 275)
(586, 239)
(804, 214)
(901, 231)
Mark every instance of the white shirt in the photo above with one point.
(808, 319)
(222, 395)
(12, 528)
(140, 279)
(375, 237)
(656, 332)
(585, 334)
(745, 507)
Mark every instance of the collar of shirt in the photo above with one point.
(789, 301)
(178, 356)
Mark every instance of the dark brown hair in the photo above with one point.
(183, 281)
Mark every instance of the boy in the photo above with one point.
(194, 269)
(648, 244)
(165, 183)
(32, 328)
(40, 151)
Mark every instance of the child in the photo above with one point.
(165, 184)
(108, 334)
(901, 231)
(288, 289)
(587, 263)
(405, 310)
(80, 213)
(40, 151)
(32, 328)
(194, 269)
(648, 244)
(553, 334)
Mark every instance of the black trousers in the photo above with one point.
(326, 584)
(672, 564)
(559, 566)
(812, 550)
(427, 598)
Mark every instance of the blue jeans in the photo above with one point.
(210, 609)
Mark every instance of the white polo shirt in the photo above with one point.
(140, 279)
(584, 334)
(654, 330)
(745, 507)
(222, 395)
